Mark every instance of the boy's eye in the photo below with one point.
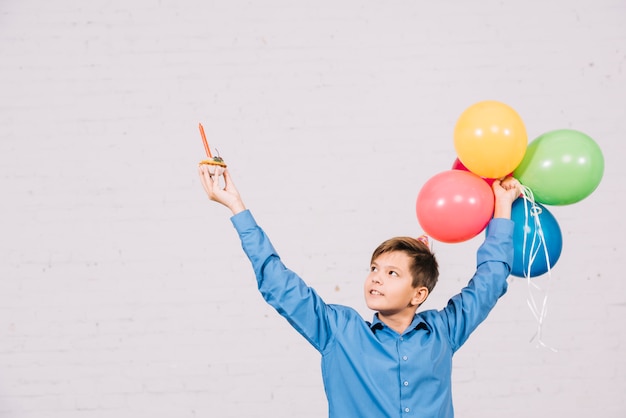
(373, 268)
(393, 273)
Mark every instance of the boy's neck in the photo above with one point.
(399, 321)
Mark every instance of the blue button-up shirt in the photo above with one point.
(369, 370)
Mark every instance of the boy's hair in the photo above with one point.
(424, 267)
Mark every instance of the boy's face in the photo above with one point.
(389, 288)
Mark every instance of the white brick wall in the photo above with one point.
(124, 293)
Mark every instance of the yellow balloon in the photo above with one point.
(490, 139)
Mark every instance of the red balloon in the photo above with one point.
(458, 165)
(454, 206)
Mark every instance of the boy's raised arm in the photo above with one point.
(505, 192)
(226, 194)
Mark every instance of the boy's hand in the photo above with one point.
(505, 191)
(227, 195)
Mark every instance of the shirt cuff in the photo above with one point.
(498, 226)
(243, 220)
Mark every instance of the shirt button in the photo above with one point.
(407, 410)
(405, 358)
(405, 383)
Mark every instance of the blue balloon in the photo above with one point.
(543, 236)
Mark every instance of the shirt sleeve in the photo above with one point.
(466, 310)
(282, 288)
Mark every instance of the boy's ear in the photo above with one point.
(420, 295)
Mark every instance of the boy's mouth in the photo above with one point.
(375, 292)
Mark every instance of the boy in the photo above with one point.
(400, 364)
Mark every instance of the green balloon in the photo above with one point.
(561, 167)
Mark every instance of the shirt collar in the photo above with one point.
(417, 323)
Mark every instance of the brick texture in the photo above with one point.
(124, 293)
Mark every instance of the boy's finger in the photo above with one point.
(228, 181)
(207, 179)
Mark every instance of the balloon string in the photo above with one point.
(532, 210)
